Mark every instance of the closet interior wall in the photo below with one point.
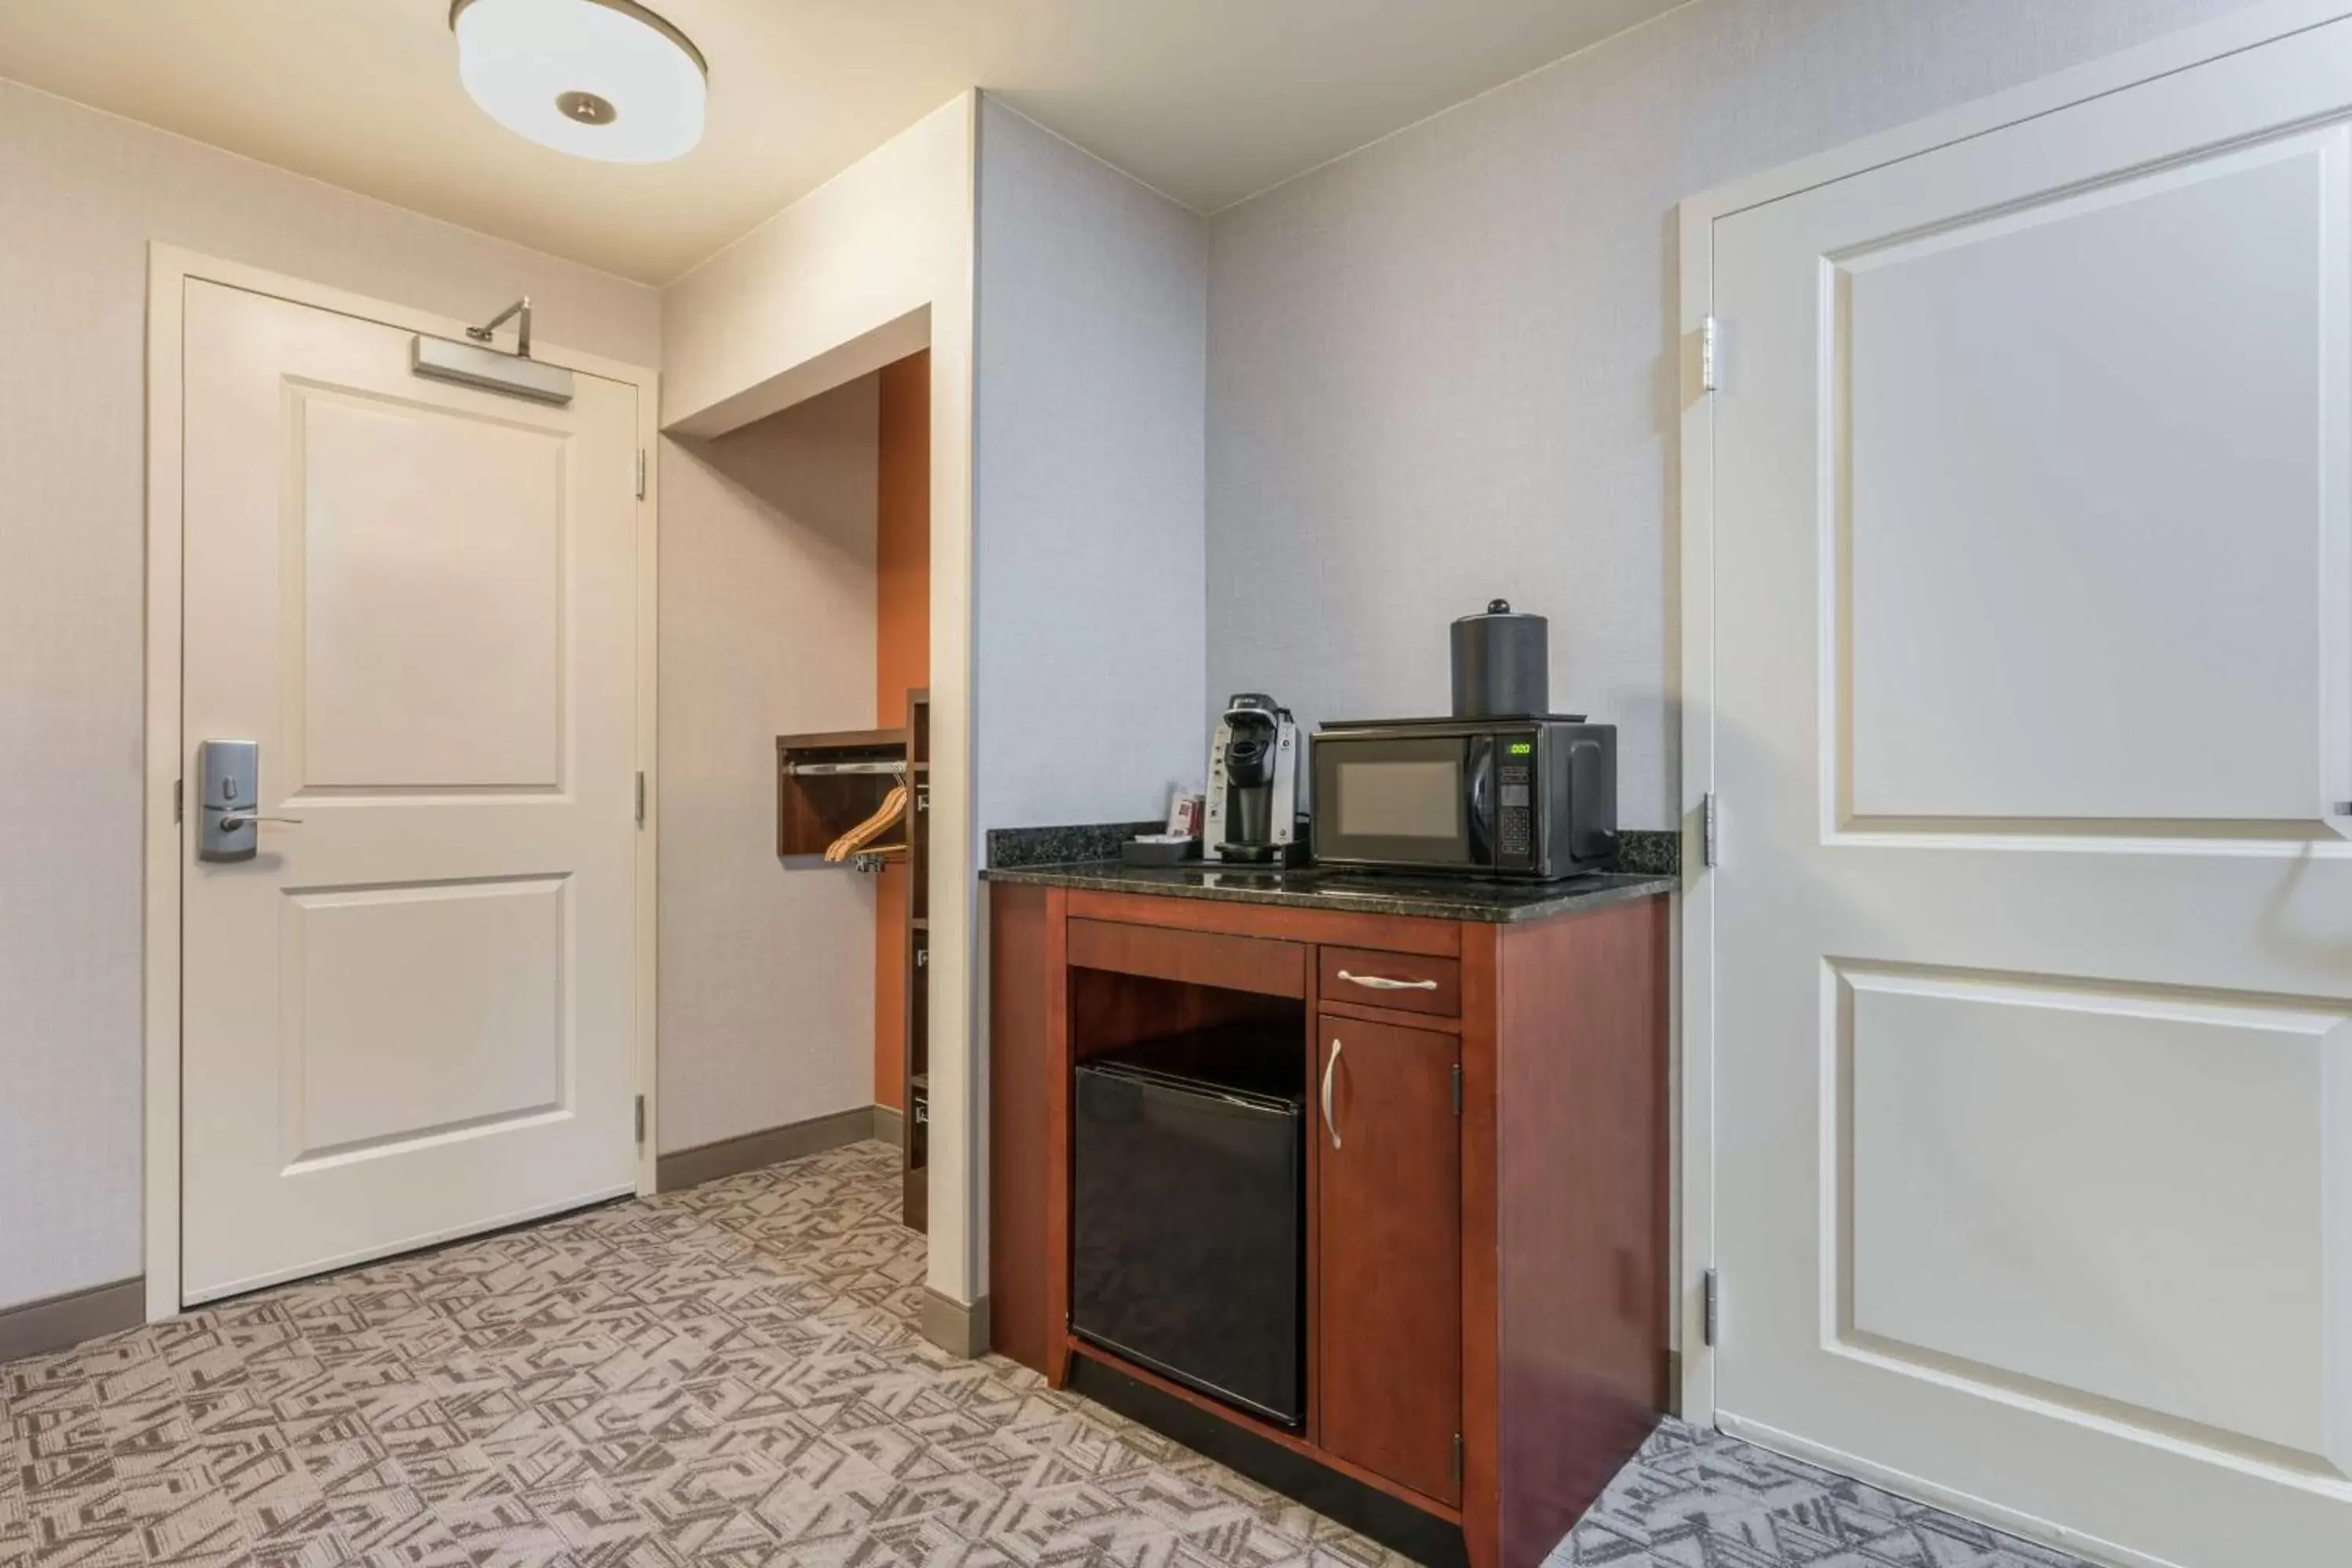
(768, 588)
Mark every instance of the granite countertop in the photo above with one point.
(1361, 892)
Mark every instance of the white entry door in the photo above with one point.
(412, 1013)
(2033, 707)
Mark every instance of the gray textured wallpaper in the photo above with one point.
(1444, 370)
(1087, 512)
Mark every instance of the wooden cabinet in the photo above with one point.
(1486, 1203)
(1388, 1251)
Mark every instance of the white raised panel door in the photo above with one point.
(412, 1015)
(2034, 939)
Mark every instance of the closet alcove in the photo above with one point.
(830, 783)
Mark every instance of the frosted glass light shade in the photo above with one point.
(597, 79)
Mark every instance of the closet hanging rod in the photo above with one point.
(894, 765)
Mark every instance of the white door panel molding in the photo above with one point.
(420, 1004)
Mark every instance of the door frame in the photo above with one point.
(170, 271)
(1693, 681)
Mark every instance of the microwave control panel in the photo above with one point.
(1515, 815)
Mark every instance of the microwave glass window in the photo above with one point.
(1401, 800)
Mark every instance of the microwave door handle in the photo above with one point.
(1482, 800)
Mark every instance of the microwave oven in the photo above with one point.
(1531, 798)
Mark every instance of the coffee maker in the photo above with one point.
(1252, 816)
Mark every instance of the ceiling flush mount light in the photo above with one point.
(597, 79)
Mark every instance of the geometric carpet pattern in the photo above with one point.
(730, 1375)
(1696, 1498)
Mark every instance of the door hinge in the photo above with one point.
(641, 1122)
(641, 473)
(1710, 1308)
(177, 785)
(1457, 1089)
(1707, 334)
(1709, 840)
(641, 797)
(1457, 1458)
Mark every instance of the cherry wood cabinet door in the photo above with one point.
(1390, 1251)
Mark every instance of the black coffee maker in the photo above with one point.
(1253, 806)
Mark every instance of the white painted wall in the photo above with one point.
(879, 242)
(828, 289)
(1087, 472)
(1443, 368)
(83, 194)
(767, 627)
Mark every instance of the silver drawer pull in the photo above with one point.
(1328, 1068)
(1383, 982)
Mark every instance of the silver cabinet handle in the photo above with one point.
(1383, 982)
(1329, 1067)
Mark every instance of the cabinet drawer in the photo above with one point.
(1190, 957)
(1408, 982)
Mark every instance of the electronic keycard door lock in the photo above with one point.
(228, 794)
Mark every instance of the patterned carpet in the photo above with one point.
(1695, 1499)
(729, 1375)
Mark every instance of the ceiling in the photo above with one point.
(1208, 101)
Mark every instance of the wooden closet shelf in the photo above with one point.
(829, 782)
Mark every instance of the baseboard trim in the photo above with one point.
(954, 1327)
(61, 1322)
(733, 1156)
(890, 1126)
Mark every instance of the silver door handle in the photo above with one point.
(1383, 982)
(230, 820)
(1329, 1067)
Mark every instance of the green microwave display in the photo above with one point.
(1523, 748)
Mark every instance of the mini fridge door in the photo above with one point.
(1187, 1247)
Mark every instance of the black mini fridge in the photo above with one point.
(1188, 1212)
